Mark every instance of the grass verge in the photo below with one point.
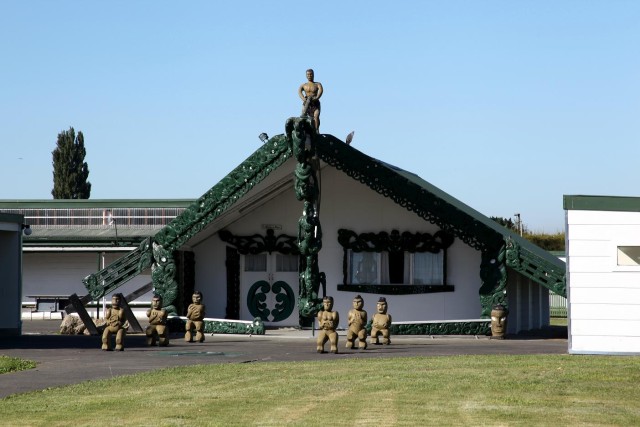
(12, 364)
(459, 390)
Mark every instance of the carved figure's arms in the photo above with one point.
(300, 94)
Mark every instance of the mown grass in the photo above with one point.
(558, 321)
(438, 391)
(12, 364)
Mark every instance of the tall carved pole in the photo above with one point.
(300, 134)
(493, 272)
(163, 276)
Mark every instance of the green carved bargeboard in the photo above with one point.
(177, 325)
(379, 176)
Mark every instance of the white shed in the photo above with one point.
(11, 226)
(603, 274)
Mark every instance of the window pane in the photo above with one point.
(628, 255)
(428, 268)
(255, 262)
(364, 267)
(396, 267)
(286, 262)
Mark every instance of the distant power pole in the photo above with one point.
(518, 222)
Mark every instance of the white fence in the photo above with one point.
(557, 305)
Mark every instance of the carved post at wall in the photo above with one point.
(233, 283)
(493, 273)
(300, 134)
(163, 276)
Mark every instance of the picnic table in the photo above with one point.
(51, 303)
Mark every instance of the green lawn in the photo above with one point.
(558, 321)
(438, 391)
(12, 364)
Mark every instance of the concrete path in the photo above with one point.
(66, 359)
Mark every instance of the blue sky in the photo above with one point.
(505, 105)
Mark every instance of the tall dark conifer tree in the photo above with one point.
(70, 171)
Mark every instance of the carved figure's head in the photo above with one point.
(156, 302)
(197, 297)
(115, 301)
(499, 320)
(358, 302)
(310, 74)
(327, 303)
(381, 306)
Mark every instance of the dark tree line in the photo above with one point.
(549, 242)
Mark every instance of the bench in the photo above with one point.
(50, 303)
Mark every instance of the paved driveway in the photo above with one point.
(66, 360)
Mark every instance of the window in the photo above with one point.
(396, 268)
(629, 255)
(286, 263)
(394, 263)
(255, 262)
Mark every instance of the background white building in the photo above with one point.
(603, 267)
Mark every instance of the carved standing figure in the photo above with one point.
(357, 320)
(115, 318)
(195, 318)
(381, 323)
(327, 322)
(157, 329)
(310, 93)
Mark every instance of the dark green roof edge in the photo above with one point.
(404, 188)
(601, 203)
(224, 194)
(94, 203)
(483, 219)
(15, 218)
(434, 205)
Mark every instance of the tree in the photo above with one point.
(549, 242)
(505, 222)
(70, 171)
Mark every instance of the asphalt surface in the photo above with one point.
(65, 359)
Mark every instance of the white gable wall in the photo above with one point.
(603, 297)
(349, 204)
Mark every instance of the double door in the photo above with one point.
(269, 288)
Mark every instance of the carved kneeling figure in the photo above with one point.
(327, 322)
(357, 321)
(115, 318)
(195, 319)
(157, 329)
(381, 323)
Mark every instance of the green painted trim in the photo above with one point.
(70, 242)
(451, 215)
(601, 203)
(226, 193)
(443, 328)
(178, 324)
(14, 218)
(396, 289)
(95, 203)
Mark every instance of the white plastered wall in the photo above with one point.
(603, 297)
(349, 204)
